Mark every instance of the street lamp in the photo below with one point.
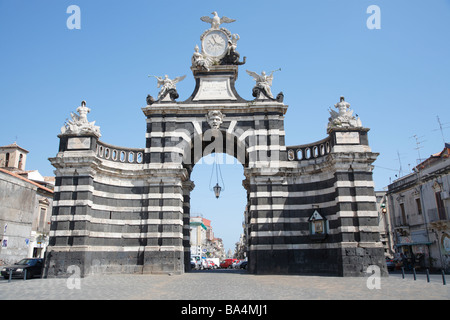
(216, 168)
(217, 189)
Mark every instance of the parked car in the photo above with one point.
(198, 262)
(243, 265)
(237, 264)
(390, 264)
(211, 264)
(32, 267)
(228, 263)
(214, 262)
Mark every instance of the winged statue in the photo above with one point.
(263, 81)
(167, 84)
(216, 21)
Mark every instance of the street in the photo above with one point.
(225, 285)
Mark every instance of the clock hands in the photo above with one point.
(220, 42)
(215, 44)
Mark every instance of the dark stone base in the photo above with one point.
(356, 261)
(66, 264)
(326, 262)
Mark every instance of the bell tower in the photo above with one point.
(13, 157)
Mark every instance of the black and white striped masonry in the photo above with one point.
(123, 210)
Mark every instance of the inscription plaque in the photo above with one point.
(79, 143)
(215, 89)
(347, 137)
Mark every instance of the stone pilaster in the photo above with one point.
(356, 204)
(188, 186)
(72, 206)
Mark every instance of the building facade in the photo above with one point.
(384, 223)
(197, 234)
(202, 239)
(128, 209)
(25, 210)
(419, 205)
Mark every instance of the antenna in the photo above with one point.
(441, 128)
(400, 171)
(418, 147)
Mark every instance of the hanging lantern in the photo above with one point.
(217, 189)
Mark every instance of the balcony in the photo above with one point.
(434, 214)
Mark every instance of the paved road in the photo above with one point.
(225, 285)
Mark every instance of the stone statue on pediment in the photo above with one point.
(168, 86)
(344, 117)
(79, 124)
(262, 89)
(200, 61)
(263, 81)
(216, 21)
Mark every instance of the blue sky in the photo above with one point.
(396, 78)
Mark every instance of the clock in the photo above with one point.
(215, 43)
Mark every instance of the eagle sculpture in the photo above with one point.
(216, 21)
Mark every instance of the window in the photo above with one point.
(440, 206)
(7, 160)
(21, 161)
(419, 206)
(402, 210)
(42, 216)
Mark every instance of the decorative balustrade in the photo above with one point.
(309, 151)
(119, 154)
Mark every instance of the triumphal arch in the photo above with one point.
(311, 207)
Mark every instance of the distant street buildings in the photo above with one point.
(205, 244)
(202, 239)
(26, 200)
(419, 208)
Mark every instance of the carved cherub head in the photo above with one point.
(214, 118)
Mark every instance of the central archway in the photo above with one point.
(199, 156)
(226, 213)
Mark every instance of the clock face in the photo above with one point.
(215, 43)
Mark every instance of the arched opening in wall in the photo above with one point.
(214, 218)
(226, 213)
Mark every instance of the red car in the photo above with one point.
(228, 263)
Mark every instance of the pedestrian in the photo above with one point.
(404, 261)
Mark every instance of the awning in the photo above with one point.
(413, 244)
